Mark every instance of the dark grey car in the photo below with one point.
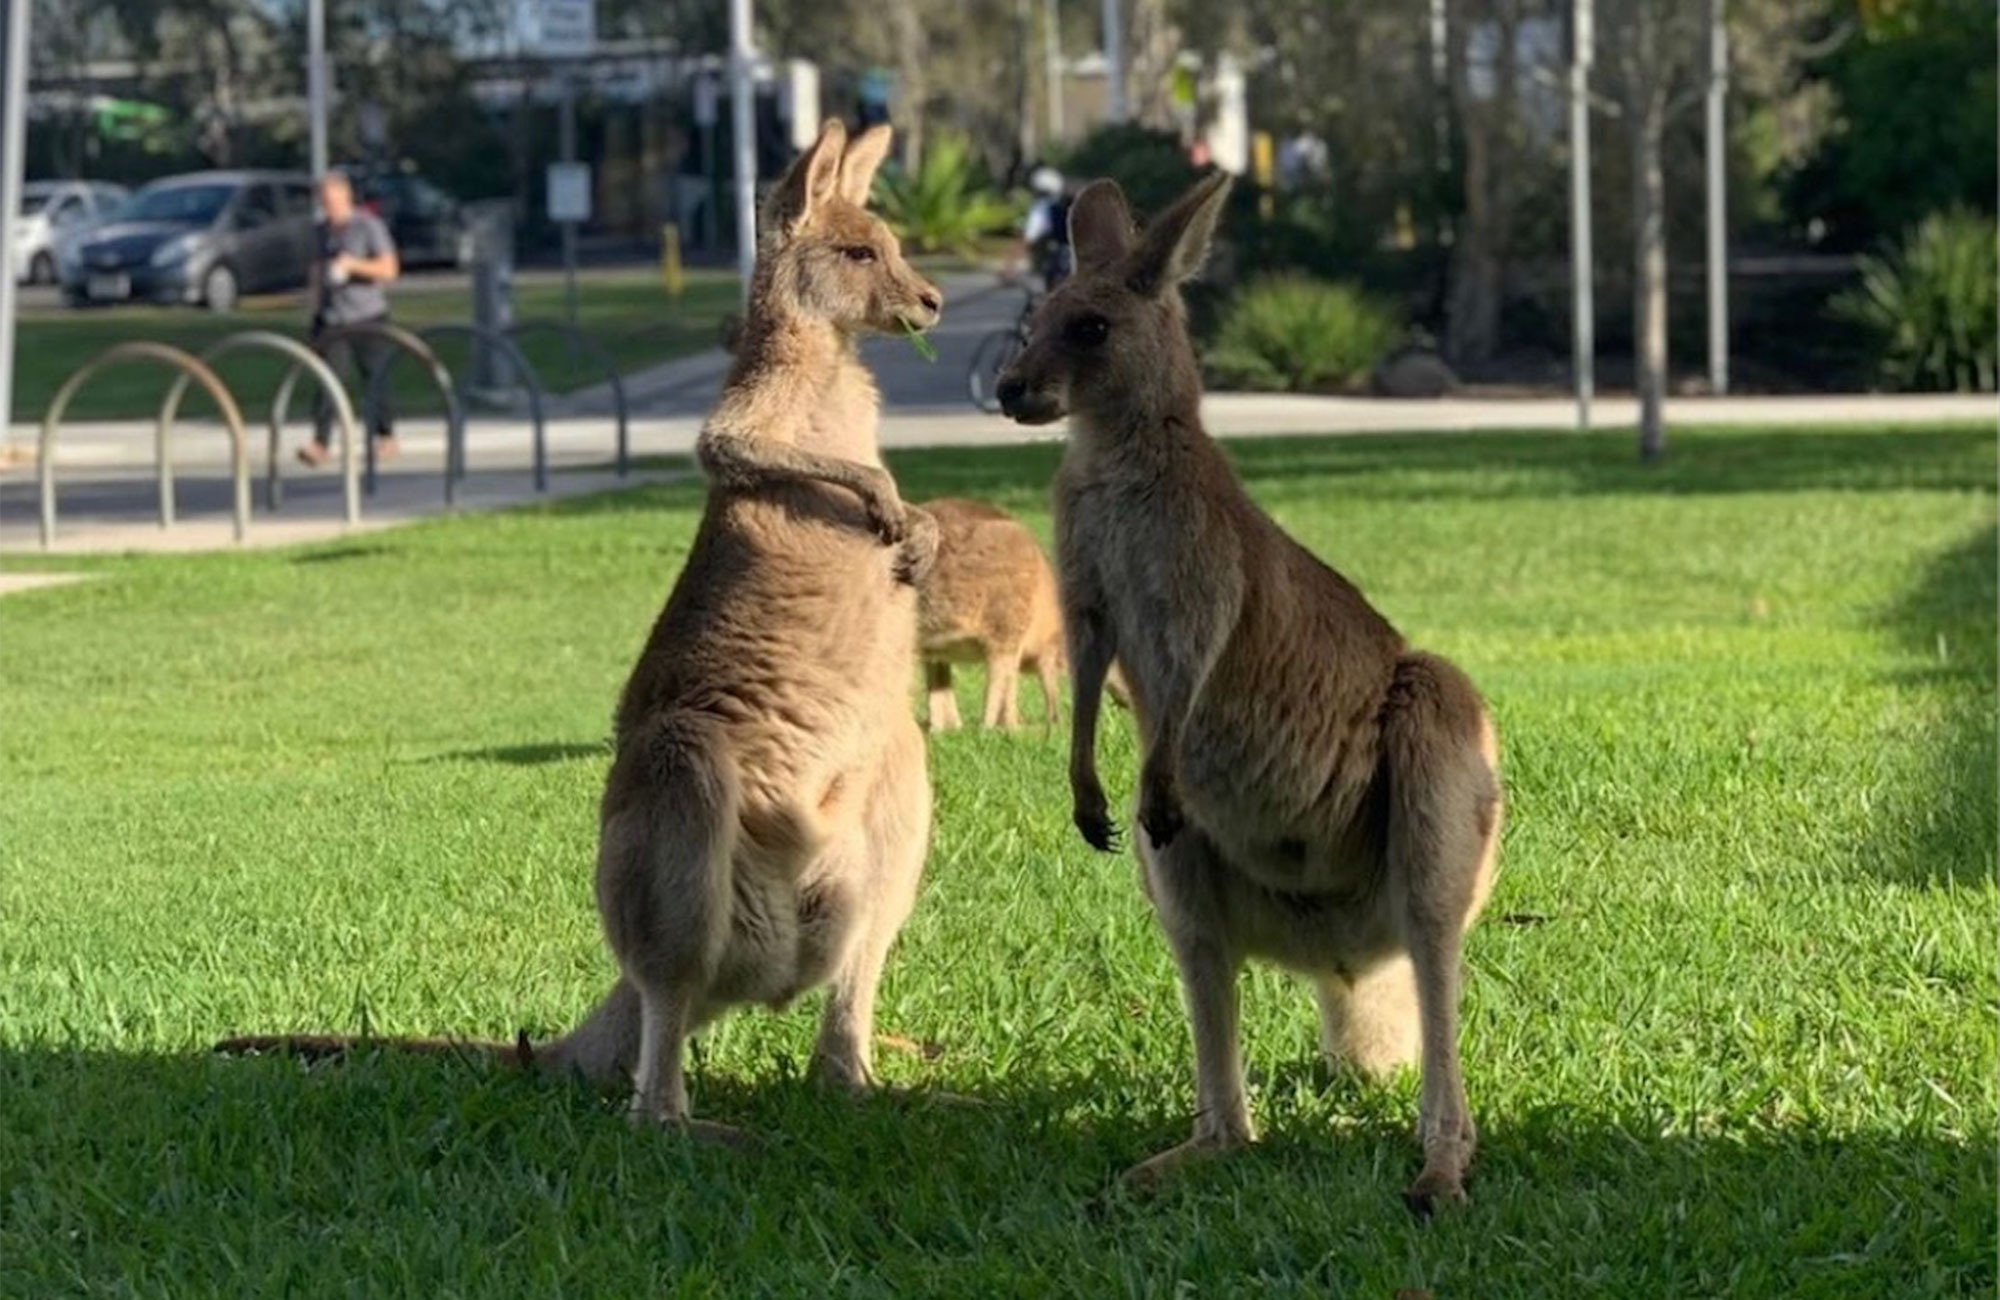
(206, 238)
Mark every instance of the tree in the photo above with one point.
(1652, 51)
(1489, 132)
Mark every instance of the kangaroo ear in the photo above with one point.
(1176, 243)
(859, 164)
(1100, 226)
(810, 181)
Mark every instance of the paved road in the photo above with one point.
(975, 306)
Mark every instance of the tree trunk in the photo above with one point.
(912, 86)
(1152, 44)
(1649, 275)
(1025, 61)
(1478, 271)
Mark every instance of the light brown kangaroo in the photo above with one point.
(1314, 792)
(767, 812)
(991, 599)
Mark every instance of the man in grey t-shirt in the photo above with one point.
(353, 257)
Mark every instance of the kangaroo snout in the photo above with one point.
(924, 304)
(1024, 403)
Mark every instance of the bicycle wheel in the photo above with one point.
(982, 377)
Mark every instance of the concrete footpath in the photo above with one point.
(107, 485)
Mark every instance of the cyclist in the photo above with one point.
(1045, 233)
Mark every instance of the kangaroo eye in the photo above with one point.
(1088, 331)
(858, 253)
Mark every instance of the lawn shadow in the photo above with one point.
(407, 1167)
(526, 755)
(339, 554)
(1947, 829)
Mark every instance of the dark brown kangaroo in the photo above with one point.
(1314, 792)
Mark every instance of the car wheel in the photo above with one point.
(42, 269)
(219, 290)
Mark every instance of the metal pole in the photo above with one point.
(1583, 320)
(743, 125)
(13, 144)
(1114, 61)
(1718, 201)
(566, 146)
(316, 82)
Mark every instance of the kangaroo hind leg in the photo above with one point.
(1444, 823)
(666, 837)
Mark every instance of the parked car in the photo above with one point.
(206, 238)
(53, 212)
(428, 225)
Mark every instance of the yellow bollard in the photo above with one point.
(670, 260)
(1263, 169)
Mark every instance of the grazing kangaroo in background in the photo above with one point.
(1314, 792)
(767, 812)
(990, 598)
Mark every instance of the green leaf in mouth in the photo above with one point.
(917, 340)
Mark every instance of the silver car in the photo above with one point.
(206, 238)
(53, 213)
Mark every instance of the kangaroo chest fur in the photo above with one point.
(1274, 668)
(787, 627)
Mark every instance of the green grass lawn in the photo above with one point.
(1730, 1021)
(629, 312)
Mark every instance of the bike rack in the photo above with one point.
(329, 383)
(522, 370)
(189, 367)
(405, 342)
(580, 341)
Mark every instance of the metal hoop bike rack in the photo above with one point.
(329, 383)
(405, 342)
(190, 368)
(581, 342)
(522, 370)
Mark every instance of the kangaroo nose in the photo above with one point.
(1010, 392)
(931, 299)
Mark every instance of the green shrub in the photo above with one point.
(1931, 304)
(1294, 333)
(944, 206)
(1150, 166)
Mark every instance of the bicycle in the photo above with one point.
(993, 355)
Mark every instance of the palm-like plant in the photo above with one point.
(1931, 304)
(942, 206)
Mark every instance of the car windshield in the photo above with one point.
(187, 205)
(33, 203)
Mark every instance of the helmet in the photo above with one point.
(1046, 181)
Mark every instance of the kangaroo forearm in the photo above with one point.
(1090, 655)
(739, 462)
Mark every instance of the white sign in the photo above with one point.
(569, 191)
(565, 28)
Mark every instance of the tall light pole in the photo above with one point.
(1717, 148)
(1114, 61)
(13, 144)
(316, 82)
(743, 125)
(1583, 326)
